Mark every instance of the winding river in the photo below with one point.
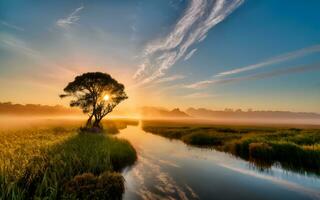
(170, 169)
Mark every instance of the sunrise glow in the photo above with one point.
(161, 99)
(106, 97)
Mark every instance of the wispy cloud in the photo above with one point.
(191, 28)
(292, 70)
(274, 60)
(200, 84)
(71, 19)
(170, 78)
(12, 26)
(190, 54)
(199, 95)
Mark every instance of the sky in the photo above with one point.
(216, 54)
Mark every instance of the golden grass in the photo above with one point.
(41, 163)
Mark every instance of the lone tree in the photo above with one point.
(97, 94)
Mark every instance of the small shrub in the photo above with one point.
(202, 139)
(88, 186)
(261, 153)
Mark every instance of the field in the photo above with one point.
(56, 162)
(296, 149)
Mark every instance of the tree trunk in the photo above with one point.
(96, 123)
(89, 121)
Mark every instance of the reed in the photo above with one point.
(45, 163)
(295, 149)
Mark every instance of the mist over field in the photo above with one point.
(161, 99)
(31, 121)
(19, 115)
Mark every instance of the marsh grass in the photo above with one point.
(114, 126)
(293, 148)
(54, 163)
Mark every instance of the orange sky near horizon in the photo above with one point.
(207, 56)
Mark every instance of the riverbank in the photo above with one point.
(59, 163)
(295, 149)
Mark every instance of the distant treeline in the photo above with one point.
(36, 109)
(9, 108)
(229, 113)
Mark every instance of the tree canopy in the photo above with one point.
(89, 92)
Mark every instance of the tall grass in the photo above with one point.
(295, 149)
(113, 126)
(58, 163)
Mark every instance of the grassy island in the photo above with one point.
(60, 163)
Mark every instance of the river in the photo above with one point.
(170, 169)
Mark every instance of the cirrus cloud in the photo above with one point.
(259, 76)
(274, 60)
(191, 28)
(71, 19)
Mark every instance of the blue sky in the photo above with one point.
(259, 54)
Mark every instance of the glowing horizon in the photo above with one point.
(237, 54)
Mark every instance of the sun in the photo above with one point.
(106, 97)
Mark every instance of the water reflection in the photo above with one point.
(172, 170)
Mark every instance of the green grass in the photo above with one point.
(59, 163)
(293, 148)
(113, 126)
